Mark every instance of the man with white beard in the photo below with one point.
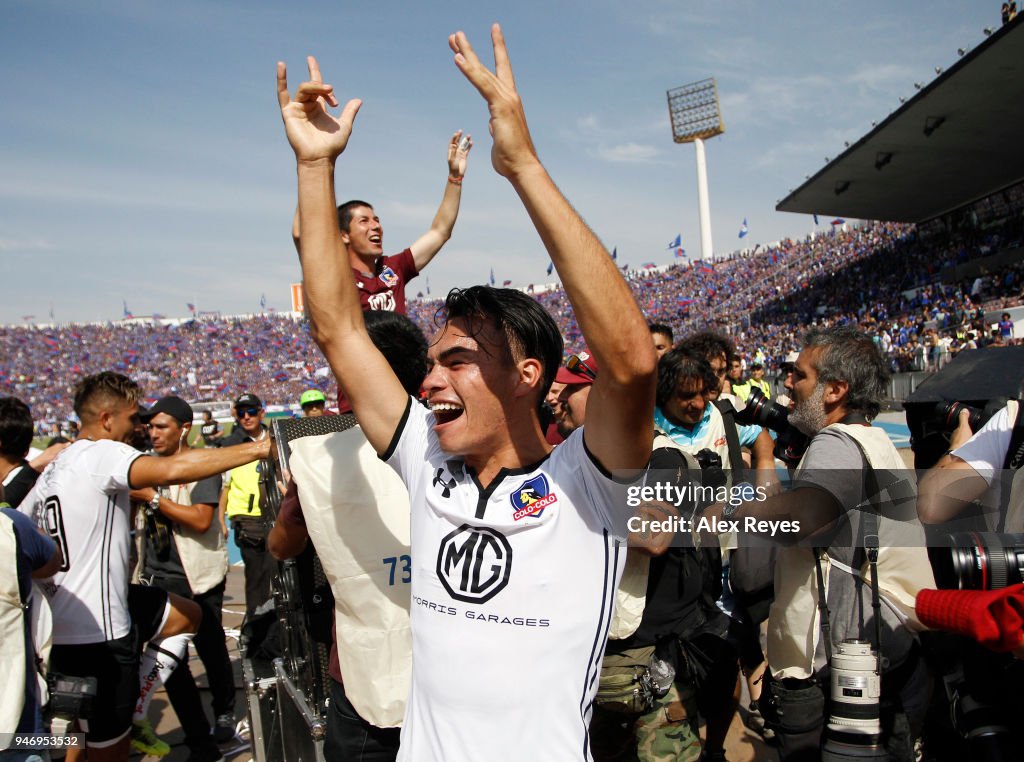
(850, 485)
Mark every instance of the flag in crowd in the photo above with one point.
(126, 314)
(838, 221)
(263, 301)
(492, 276)
(428, 285)
(648, 265)
(615, 252)
(743, 228)
(677, 242)
(680, 253)
(551, 267)
(191, 308)
(506, 283)
(815, 218)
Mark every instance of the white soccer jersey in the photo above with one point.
(513, 589)
(82, 502)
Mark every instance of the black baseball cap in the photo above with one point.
(175, 407)
(249, 400)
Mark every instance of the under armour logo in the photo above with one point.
(446, 485)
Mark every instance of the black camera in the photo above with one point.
(979, 561)
(70, 698)
(948, 414)
(790, 443)
(711, 471)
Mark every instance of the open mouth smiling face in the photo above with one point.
(465, 386)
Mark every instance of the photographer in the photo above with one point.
(836, 386)
(976, 489)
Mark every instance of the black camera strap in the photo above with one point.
(732, 437)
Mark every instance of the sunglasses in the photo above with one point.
(577, 365)
(244, 412)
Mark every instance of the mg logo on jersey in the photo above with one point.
(388, 277)
(473, 563)
(531, 498)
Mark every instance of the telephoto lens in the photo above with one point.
(790, 444)
(979, 561)
(854, 730)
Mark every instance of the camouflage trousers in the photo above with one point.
(667, 733)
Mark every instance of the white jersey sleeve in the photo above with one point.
(81, 500)
(986, 450)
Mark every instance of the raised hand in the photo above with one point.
(513, 151)
(312, 132)
(457, 154)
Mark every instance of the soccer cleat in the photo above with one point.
(145, 741)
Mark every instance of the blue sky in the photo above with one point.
(142, 157)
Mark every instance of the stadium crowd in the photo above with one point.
(627, 619)
(891, 286)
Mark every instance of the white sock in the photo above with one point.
(159, 660)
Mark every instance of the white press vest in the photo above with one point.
(356, 510)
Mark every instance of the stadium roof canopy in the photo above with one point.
(954, 142)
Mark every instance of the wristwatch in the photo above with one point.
(154, 504)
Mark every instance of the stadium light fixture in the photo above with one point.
(988, 31)
(841, 187)
(961, 52)
(902, 99)
(882, 158)
(695, 114)
(938, 70)
(918, 85)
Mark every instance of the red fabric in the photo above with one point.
(385, 288)
(995, 618)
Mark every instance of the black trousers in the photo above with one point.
(260, 566)
(350, 738)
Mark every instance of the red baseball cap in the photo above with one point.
(580, 368)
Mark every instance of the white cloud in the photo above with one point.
(625, 153)
(25, 244)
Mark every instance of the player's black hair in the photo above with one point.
(345, 212)
(529, 330)
(107, 384)
(402, 344)
(15, 427)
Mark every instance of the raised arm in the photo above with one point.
(193, 465)
(615, 330)
(428, 244)
(336, 319)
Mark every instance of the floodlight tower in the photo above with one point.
(696, 116)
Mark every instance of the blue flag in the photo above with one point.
(815, 218)
(127, 312)
(743, 228)
(677, 242)
(615, 252)
(551, 267)
(492, 276)
(681, 253)
(263, 301)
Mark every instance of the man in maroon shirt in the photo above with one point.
(381, 280)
